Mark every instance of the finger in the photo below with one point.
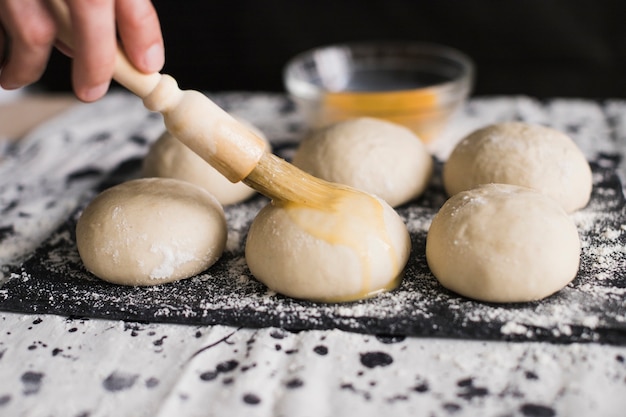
(140, 32)
(94, 47)
(28, 38)
(64, 49)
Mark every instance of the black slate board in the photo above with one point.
(590, 309)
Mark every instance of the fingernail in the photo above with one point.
(154, 58)
(11, 86)
(94, 93)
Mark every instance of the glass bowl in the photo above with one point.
(419, 85)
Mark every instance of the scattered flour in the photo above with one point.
(43, 184)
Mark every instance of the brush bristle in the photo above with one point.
(283, 182)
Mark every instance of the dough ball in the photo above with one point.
(151, 231)
(503, 243)
(170, 158)
(352, 251)
(373, 155)
(534, 156)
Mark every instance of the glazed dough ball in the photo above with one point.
(151, 231)
(534, 156)
(503, 243)
(353, 251)
(373, 155)
(170, 158)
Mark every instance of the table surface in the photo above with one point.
(69, 366)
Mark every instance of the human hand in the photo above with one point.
(28, 31)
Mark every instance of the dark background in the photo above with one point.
(541, 48)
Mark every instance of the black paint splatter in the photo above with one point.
(389, 339)
(139, 140)
(572, 128)
(56, 351)
(421, 387)
(251, 399)
(37, 321)
(294, 383)
(536, 410)
(227, 366)
(221, 368)
(159, 342)
(119, 381)
(320, 350)
(469, 391)
(152, 382)
(248, 367)
(465, 382)
(451, 407)
(277, 334)
(619, 358)
(531, 375)
(208, 375)
(32, 382)
(124, 170)
(397, 398)
(374, 359)
(134, 328)
(349, 387)
(6, 231)
(100, 137)
(249, 344)
(4, 399)
(85, 173)
(12, 204)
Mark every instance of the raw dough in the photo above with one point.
(503, 243)
(170, 158)
(353, 249)
(523, 154)
(373, 155)
(151, 231)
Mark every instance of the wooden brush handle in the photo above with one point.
(190, 116)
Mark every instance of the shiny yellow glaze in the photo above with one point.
(347, 217)
(330, 212)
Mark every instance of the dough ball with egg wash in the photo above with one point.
(350, 247)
